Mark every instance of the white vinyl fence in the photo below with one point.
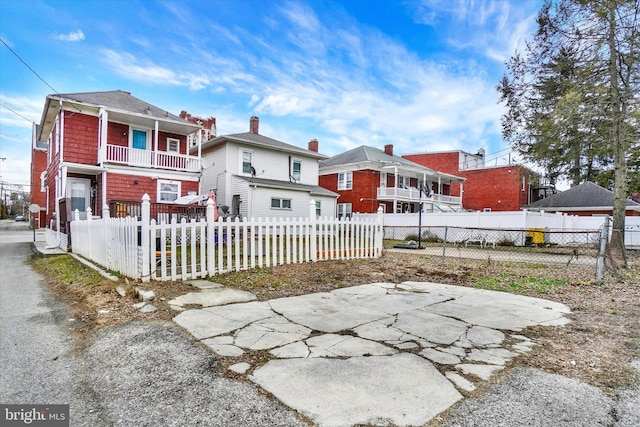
(143, 249)
(561, 225)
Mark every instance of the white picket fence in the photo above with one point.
(143, 249)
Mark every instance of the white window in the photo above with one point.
(173, 145)
(296, 170)
(344, 210)
(246, 161)
(383, 179)
(277, 203)
(43, 181)
(318, 209)
(345, 180)
(168, 191)
(403, 182)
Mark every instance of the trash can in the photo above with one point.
(535, 236)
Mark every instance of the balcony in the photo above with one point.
(412, 194)
(152, 159)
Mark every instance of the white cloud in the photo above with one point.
(74, 36)
(128, 67)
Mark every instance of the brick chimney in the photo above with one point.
(313, 145)
(388, 149)
(254, 123)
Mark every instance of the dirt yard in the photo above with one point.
(595, 348)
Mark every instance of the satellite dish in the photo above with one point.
(253, 172)
(34, 208)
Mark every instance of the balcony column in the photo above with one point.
(103, 118)
(395, 188)
(199, 147)
(155, 144)
(461, 192)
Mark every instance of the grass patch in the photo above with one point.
(506, 282)
(65, 269)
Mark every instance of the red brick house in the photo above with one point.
(38, 178)
(106, 147)
(367, 178)
(487, 188)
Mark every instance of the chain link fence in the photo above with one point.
(575, 252)
(576, 255)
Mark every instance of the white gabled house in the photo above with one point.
(256, 176)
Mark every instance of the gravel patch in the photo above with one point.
(148, 374)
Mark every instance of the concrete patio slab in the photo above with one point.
(403, 389)
(212, 321)
(368, 354)
(210, 297)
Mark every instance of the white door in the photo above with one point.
(79, 193)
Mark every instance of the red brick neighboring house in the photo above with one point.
(105, 147)
(38, 179)
(366, 178)
(495, 188)
(585, 199)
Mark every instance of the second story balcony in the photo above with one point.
(151, 159)
(412, 194)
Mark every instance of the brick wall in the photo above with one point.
(496, 188)
(123, 187)
(363, 194)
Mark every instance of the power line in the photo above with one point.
(27, 65)
(15, 112)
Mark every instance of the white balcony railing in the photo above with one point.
(152, 159)
(412, 194)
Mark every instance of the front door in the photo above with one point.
(139, 139)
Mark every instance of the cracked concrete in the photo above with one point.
(360, 355)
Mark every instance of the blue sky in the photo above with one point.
(420, 75)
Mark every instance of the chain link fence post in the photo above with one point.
(444, 243)
(604, 240)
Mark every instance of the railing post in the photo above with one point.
(210, 248)
(76, 215)
(379, 231)
(145, 216)
(313, 221)
(604, 239)
(105, 211)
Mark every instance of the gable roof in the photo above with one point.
(257, 140)
(586, 195)
(119, 103)
(363, 155)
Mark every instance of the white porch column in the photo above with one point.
(103, 116)
(461, 192)
(199, 146)
(395, 189)
(155, 144)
